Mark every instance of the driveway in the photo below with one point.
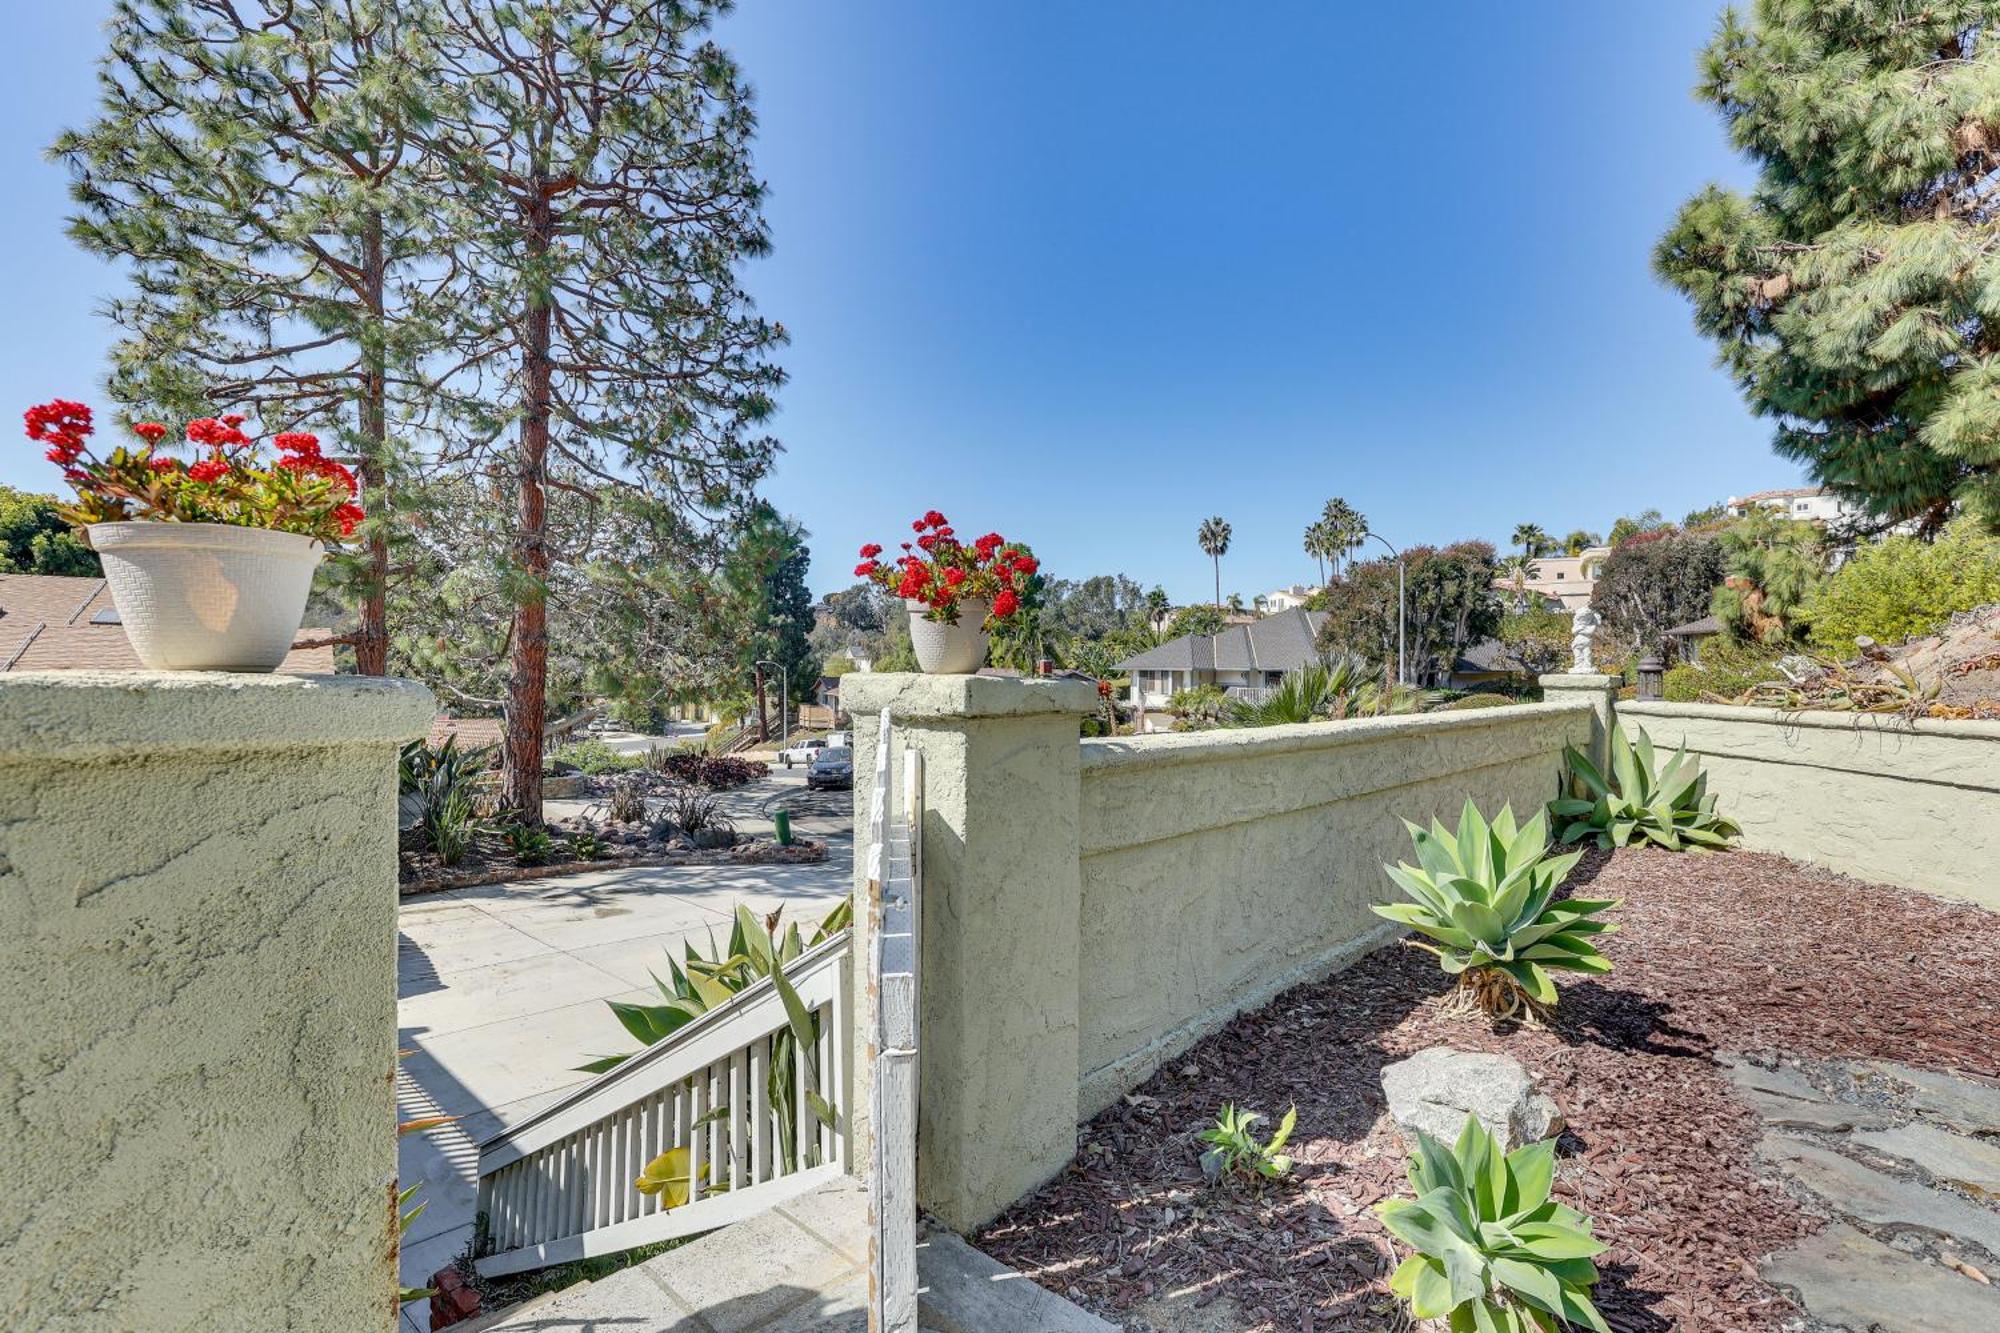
(502, 989)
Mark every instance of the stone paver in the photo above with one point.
(1889, 1261)
(1850, 1281)
(503, 991)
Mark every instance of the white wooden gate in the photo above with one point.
(894, 869)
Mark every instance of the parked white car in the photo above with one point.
(801, 752)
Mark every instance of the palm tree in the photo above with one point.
(1531, 539)
(1214, 538)
(1319, 545)
(1235, 603)
(1578, 542)
(1345, 528)
(1519, 569)
(1157, 606)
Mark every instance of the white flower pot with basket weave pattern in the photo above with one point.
(207, 596)
(957, 649)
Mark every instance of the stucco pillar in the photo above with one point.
(198, 1000)
(1599, 691)
(1002, 887)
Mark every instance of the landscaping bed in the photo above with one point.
(1739, 954)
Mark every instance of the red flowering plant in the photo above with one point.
(942, 572)
(300, 490)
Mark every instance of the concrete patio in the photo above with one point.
(503, 987)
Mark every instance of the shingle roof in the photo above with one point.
(1275, 643)
(1694, 629)
(1487, 655)
(53, 622)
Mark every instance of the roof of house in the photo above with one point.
(1488, 655)
(472, 733)
(1786, 493)
(55, 622)
(1695, 629)
(1275, 643)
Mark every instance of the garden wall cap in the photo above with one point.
(1586, 680)
(908, 695)
(85, 715)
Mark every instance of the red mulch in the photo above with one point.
(1731, 953)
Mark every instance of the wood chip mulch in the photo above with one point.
(1737, 953)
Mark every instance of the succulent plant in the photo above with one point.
(1485, 898)
(1494, 1253)
(1670, 807)
(1233, 1148)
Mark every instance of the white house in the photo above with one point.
(1285, 599)
(1560, 582)
(1243, 660)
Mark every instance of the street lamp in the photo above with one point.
(1402, 674)
(784, 695)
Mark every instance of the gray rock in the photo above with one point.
(1970, 1164)
(1784, 1098)
(1845, 1279)
(1877, 1199)
(1435, 1090)
(1968, 1104)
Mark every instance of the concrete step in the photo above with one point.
(800, 1268)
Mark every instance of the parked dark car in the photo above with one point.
(831, 767)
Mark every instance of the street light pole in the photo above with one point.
(1402, 617)
(784, 696)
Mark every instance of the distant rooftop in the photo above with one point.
(1276, 643)
(56, 622)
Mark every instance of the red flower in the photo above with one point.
(152, 432)
(163, 463)
(866, 568)
(917, 526)
(216, 434)
(209, 469)
(871, 550)
(58, 421)
(234, 419)
(303, 443)
(988, 544)
(348, 516)
(928, 540)
(1005, 603)
(1027, 564)
(954, 576)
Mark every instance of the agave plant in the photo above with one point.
(757, 949)
(1670, 807)
(1494, 1254)
(1485, 896)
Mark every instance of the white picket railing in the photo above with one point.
(559, 1186)
(893, 907)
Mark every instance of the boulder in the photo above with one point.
(1435, 1090)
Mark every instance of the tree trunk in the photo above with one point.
(1218, 581)
(527, 679)
(371, 643)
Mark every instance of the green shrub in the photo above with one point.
(1233, 1149)
(1202, 706)
(1477, 699)
(1538, 637)
(1900, 587)
(1485, 894)
(594, 758)
(531, 846)
(1494, 1254)
(1342, 687)
(1668, 806)
(1727, 669)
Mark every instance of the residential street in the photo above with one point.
(502, 988)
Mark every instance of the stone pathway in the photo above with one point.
(1907, 1163)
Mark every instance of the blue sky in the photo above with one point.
(1088, 273)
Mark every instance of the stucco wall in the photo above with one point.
(197, 945)
(1916, 804)
(1220, 867)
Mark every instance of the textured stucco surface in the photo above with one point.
(1915, 804)
(1218, 868)
(197, 930)
(999, 921)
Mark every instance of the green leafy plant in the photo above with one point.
(626, 802)
(756, 950)
(1494, 1253)
(693, 811)
(438, 779)
(448, 826)
(1485, 896)
(1668, 806)
(530, 846)
(586, 846)
(593, 758)
(1198, 707)
(1234, 1150)
(1346, 686)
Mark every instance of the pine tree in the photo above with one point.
(253, 170)
(1854, 295)
(595, 156)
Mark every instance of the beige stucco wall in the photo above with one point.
(1915, 804)
(1220, 867)
(197, 973)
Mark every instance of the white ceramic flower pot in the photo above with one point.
(207, 596)
(956, 649)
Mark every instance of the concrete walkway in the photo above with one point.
(1904, 1162)
(800, 1268)
(503, 992)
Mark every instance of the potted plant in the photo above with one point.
(209, 562)
(955, 593)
